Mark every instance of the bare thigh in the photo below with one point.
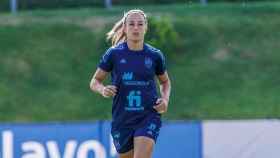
(143, 147)
(128, 154)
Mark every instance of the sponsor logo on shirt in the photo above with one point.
(134, 101)
(127, 80)
(127, 76)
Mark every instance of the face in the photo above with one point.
(135, 27)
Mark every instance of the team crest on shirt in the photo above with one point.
(148, 63)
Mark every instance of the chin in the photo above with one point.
(136, 40)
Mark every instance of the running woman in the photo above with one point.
(134, 67)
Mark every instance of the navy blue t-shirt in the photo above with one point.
(133, 73)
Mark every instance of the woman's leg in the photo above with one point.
(143, 147)
(128, 154)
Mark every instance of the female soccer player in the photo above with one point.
(137, 107)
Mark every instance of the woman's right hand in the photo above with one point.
(109, 91)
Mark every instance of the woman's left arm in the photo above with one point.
(165, 88)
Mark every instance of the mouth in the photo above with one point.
(136, 33)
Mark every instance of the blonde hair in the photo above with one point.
(116, 34)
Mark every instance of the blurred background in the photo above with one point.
(222, 57)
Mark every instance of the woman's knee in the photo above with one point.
(143, 147)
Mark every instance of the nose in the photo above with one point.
(135, 27)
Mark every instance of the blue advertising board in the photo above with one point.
(91, 140)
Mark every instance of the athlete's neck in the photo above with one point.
(135, 45)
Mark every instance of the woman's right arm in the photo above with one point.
(97, 86)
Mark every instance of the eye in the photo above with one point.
(140, 24)
(131, 24)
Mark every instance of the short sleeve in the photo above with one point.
(160, 64)
(106, 62)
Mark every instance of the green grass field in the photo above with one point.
(227, 68)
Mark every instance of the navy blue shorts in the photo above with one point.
(123, 137)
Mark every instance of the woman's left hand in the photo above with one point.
(161, 105)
